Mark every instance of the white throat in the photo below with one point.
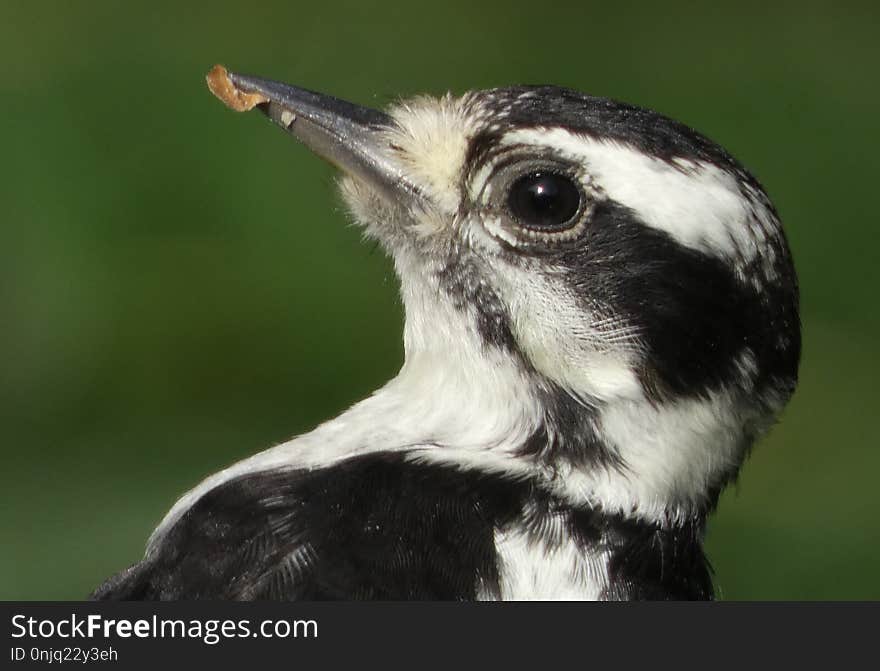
(457, 400)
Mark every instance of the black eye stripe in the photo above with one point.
(544, 200)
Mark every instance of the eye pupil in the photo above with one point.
(544, 200)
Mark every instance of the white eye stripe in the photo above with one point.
(700, 205)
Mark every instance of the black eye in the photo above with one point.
(544, 200)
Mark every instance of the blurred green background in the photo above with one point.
(179, 286)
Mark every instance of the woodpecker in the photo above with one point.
(601, 319)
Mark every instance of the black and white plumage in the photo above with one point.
(601, 318)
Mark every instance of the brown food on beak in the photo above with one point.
(235, 99)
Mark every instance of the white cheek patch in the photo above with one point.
(698, 204)
(578, 350)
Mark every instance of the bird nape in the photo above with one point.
(601, 319)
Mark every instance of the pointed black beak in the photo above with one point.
(351, 137)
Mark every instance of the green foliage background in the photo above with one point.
(179, 286)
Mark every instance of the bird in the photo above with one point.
(601, 319)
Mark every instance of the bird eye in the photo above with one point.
(544, 200)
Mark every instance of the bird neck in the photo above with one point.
(463, 398)
(460, 401)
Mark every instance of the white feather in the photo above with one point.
(698, 204)
(534, 570)
(458, 401)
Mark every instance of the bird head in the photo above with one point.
(591, 289)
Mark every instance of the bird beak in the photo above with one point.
(350, 137)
